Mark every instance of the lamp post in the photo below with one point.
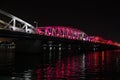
(36, 24)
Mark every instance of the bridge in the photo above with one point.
(18, 30)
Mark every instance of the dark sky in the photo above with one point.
(92, 18)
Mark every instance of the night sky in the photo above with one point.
(92, 18)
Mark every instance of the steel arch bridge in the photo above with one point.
(62, 32)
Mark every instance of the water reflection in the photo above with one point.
(6, 60)
(63, 65)
(26, 75)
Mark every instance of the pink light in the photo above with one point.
(70, 33)
(38, 74)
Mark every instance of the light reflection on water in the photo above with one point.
(61, 65)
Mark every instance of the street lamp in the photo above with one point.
(36, 24)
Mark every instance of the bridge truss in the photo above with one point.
(62, 32)
(14, 22)
(71, 33)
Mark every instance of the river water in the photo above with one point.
(60, 65)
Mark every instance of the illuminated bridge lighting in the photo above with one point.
(71, 33)
(62, 32)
